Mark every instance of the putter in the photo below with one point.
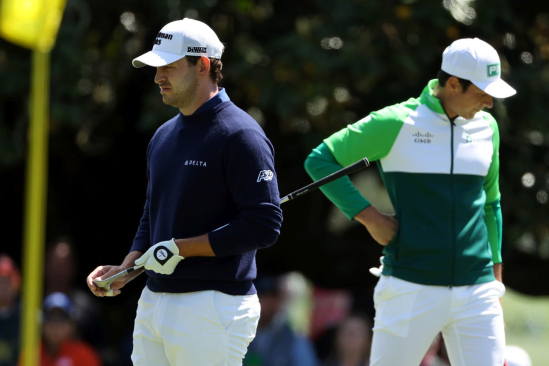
(106, 283)
(361, 164)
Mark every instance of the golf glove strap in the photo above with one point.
(161, 258)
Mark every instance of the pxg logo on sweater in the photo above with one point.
(162, 254)
(265, 175)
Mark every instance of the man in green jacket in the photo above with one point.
(438, 158)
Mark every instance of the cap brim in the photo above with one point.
(496, 89)
(156, 59)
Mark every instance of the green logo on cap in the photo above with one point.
(493, 70)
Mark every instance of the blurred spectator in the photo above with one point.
(60, 273)
(331, 307)
(352, 342)
(59, 347)
(275, 343)
(10, 283)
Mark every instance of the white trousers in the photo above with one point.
(206, 328)
(410, 315)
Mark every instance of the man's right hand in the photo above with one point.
(103, 272)
(382, 227)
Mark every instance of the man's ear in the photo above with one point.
(203, 66)
(453, 85)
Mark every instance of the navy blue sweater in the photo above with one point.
(211, 172)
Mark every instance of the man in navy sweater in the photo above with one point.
(212, 201)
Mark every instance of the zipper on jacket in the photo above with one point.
(452, 205)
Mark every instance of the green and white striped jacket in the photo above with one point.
(442, 179)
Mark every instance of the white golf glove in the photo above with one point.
(377, 271)
(161, 258)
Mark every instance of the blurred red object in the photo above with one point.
(8, 268)
(330, 307)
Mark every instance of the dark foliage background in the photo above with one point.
(304, 69)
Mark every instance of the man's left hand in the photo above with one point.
(161, 258)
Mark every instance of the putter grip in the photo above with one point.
(361, 164)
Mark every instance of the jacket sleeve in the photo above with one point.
(494, 224)
(492, 209)
(371, 137)
(251, 179)
(341, 192)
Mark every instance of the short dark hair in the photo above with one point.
(444, 76)
(215, 67)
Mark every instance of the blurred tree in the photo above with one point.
(304, 70)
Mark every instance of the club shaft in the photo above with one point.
(362, 163)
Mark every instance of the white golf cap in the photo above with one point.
(187, 37)
(475, 60)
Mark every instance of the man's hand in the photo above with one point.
(382, 227)
(161, 258)
(103, 272)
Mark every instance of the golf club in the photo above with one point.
(361, 164)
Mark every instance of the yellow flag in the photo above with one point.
(31, 23)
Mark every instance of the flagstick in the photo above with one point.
(35, 208)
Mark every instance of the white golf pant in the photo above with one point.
(410, 315)
(205, 328)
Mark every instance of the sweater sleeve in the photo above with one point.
(251, 179)
(142, 239)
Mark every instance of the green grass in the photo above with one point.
(527, 324)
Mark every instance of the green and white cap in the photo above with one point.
(475, 60)
(187, 37)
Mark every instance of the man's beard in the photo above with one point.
(183, 97)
